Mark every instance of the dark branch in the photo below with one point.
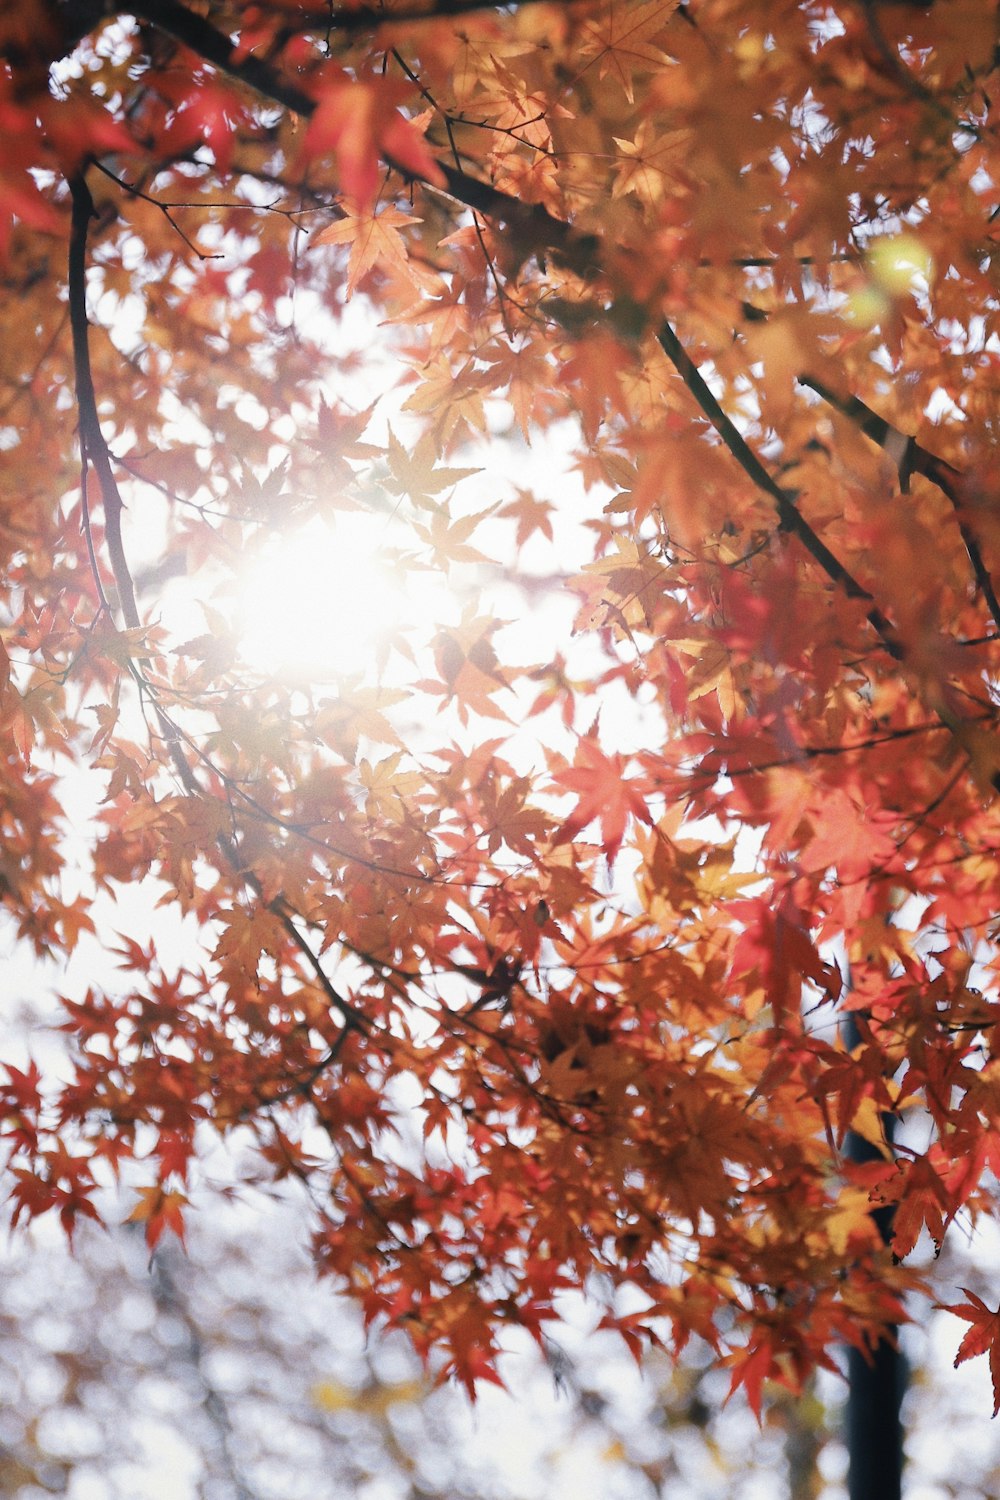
(717, 762)
(911, 458)
(93, 449)
(216, 48)
(363, 18)
(351, 1016)
(532, 225)
(77, 18)
(789, 515)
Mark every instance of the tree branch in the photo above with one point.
(910, 457)
(789, 515)
(362, 18)
(533, 226)
(792, 519)
(93, 449)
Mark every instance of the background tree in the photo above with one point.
(528, 995)
(230, 1370)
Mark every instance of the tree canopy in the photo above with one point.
(523, 1000)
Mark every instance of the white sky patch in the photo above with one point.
(324, 600)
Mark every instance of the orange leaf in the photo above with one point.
(373, 238)
(159, 1210)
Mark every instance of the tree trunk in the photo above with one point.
(874, 1431)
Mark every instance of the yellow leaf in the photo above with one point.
(331, 1395)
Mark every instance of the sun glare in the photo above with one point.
(323, 601)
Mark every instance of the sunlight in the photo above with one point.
(323, 601)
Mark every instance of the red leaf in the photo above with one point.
(604, 794)
(983, 1337)
(357, 122)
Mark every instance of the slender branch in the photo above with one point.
(790, 516)
(764, 262)
(164, 208)
(168, 206)
(792, 520)
(360, 18)
(910, 457)
(714, 760)
(93, 448)
(351, 1016)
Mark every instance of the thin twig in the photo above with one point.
(534, 227)
(137, 192)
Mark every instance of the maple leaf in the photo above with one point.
(596, 371)
(649, 160)
(417, 472)
(174, 1152)
(245, 936)
(604, 795)
(922, 1199)
(453, 396)
(525, 374)
(386, 786)
(983, 1337)
(338, 434)
(469, 668)
(448, 538)
(357, 121)
(374, 239)
(847, 838)
(751, 1367)
(207, 116)
(775, 948)
(158, 1210)
(530, 513)
(621, 39)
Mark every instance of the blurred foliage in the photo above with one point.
(229, 1373)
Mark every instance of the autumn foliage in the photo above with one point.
(525, 1001)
